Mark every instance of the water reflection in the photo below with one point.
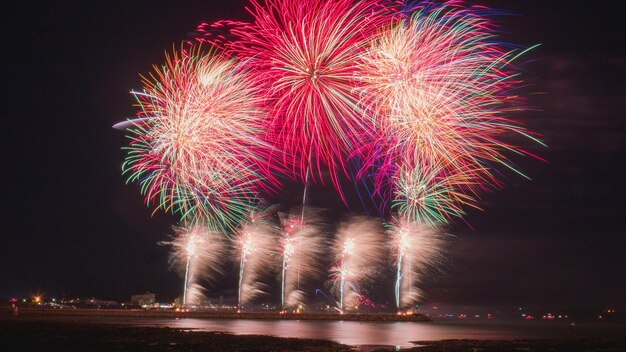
(381, 333)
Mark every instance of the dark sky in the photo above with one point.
(71, 226)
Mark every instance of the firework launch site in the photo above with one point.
(220, 314)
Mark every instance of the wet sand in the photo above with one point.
(535, 345)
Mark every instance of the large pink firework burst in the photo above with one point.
(303, 53)
(441, 87)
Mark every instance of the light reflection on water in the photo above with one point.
(379, 333)
(389, 333)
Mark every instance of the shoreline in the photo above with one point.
(221, 314)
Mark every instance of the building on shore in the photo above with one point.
(146, 299)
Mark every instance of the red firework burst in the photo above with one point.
(303, 54)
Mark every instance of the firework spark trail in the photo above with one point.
(252, 247)
(359, 251)
(440, 85)
(417, 246)
(427, 195)
(303, 53)
(301, 247)
(196, 148)
(196, 253)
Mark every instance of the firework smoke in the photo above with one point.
(359, 251)
(416, 246)
(253, 245)
(196, 253)
(301, 248)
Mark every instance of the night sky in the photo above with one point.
(71, 226)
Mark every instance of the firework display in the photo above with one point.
(412, 100)
(416, 247)
(359, 250)
(303, 53)
(196, 149)
(252, 248)
(300, 250)
(440, 86)
(196, 252)
(427, 196)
